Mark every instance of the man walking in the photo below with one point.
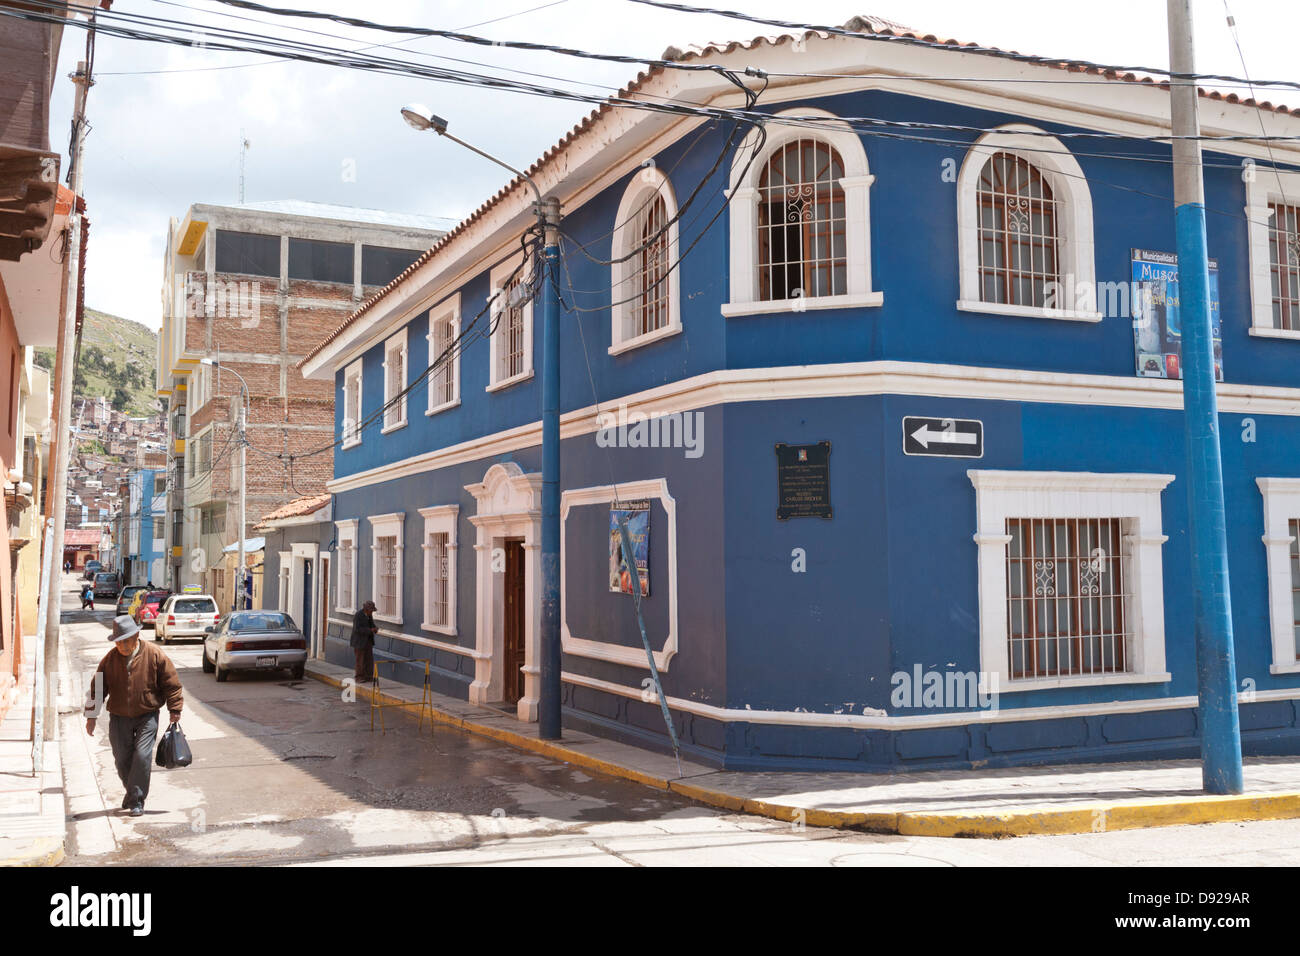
(363, 641)
(136, 678)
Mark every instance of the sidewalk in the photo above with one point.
(1081, 798)
(31, 806)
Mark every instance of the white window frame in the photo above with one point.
(743, 216)
(387, 526)
(1281, 507)
(351, 415)
(1076, 259)
(395, 416)
(646, 183)
(441, 519)
(346, 531)
(1267, 186)
(447, 311)
(1000, 495)
(499, 276)
(285, 558)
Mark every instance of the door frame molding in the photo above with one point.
(508, 506)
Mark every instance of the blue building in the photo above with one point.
(901, 430)
(145, 511)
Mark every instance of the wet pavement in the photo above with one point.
(289, 772)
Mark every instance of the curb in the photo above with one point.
(47, 851)
(1097, 817)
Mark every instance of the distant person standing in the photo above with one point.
(363, 642)
(136, 679)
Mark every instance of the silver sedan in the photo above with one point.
(254, 640)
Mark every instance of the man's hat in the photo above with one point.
(123, 627)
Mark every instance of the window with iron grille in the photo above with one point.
(443, 384)
(1067, 597)
(347, 564)
(1295, 582)
(352, 405)
(435, 580)
(440, 568)
(386, 575)
(1018, 244)
(1284, 264)
(645, 288)
(650, 308)
(395, 381)
(510, 351)
(386, 547)
(802, 219)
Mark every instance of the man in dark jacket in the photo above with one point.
(363, 641)
(136, 678)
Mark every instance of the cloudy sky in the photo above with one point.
(167, 121)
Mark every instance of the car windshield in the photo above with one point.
(195, 606)
(261, 621)
(156, 597)
(105, 577)
(131, 590)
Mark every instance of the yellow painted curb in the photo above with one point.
(1104, 817)
(1017, 821)
(47, 851)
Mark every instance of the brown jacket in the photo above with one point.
(144, 686)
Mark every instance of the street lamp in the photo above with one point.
(243, 475)
(420, 117)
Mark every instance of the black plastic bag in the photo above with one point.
(174, 749)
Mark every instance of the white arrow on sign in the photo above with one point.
(924, 436)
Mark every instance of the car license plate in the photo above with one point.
(266, 661)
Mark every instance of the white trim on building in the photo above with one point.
(1281, 507)
(1000, 495)
(440, 520)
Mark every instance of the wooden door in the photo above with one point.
(513, 622)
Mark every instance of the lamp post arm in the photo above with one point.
(522, 175)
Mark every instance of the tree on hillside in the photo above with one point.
(121, 399)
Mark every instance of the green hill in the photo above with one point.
(118, 358)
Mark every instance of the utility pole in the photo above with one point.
(548, 708)
(420, 117)
(58, 496)
(1216, 669)
(243, 497)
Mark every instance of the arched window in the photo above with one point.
(800, 219)
(645, 277)
(650, 307)
(801, 223)
(1018, 240)
(1024, 228)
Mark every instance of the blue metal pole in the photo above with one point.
(1216, 671)
(548, 718)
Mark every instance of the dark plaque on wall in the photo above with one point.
(803, 481)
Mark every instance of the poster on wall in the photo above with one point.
(637, 514)
(1157, 328)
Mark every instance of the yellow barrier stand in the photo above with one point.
(426, 698)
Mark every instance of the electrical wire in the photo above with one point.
(957, 47)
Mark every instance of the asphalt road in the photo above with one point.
(288, 773)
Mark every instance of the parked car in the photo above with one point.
(126, 598)
(254, 640)
(186, 615)
(107, 584)
(91, 569)
(146, 612)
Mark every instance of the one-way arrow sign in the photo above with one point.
(943, 437)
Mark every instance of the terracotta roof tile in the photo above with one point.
(308, 504)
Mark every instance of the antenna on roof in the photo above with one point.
(243, 151)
